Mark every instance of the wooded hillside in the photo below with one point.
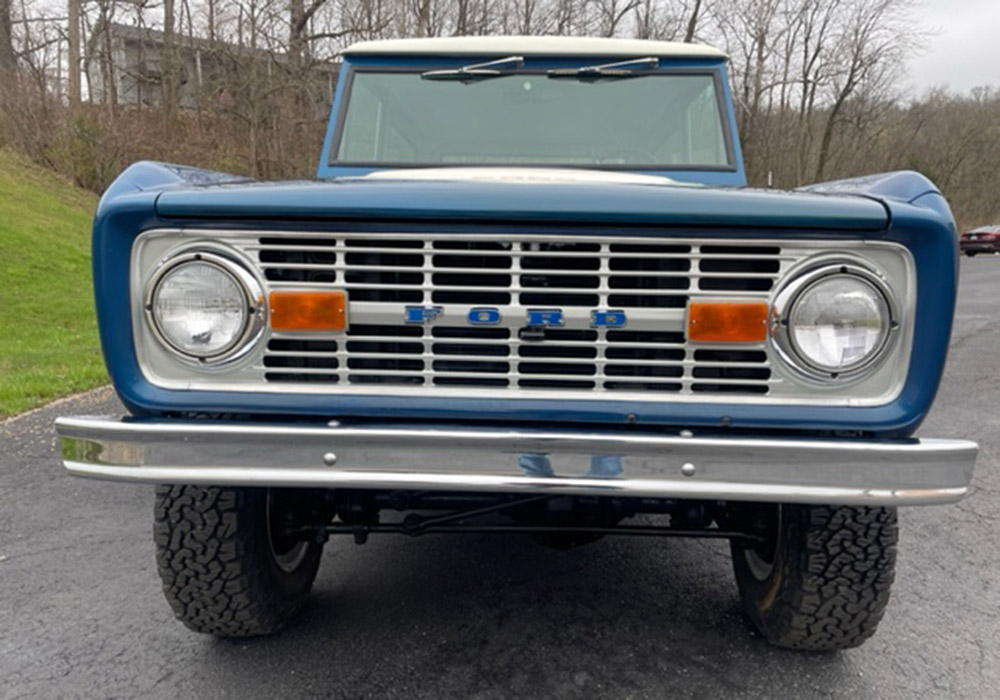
(244, 85)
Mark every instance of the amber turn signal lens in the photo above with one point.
(308, 311)
(727, 322)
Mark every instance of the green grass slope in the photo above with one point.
(48, 334)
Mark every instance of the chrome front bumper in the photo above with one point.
(522, 460)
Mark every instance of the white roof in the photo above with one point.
(501, 46)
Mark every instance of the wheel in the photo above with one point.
(971, 253)
(820, 579)
(226, 567)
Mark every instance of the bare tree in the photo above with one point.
(99, 50)
(869, 50)
(422, 13)
(654, 19)
(168, 62)
(752, 30)
(568, 16)
(816, 20)
(692, 25)
(73, 52)
(612, 13)
(300, 17)
(8, 59)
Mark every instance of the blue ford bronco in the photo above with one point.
(527, 292)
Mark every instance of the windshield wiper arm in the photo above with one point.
(621, 69)
(474, 71)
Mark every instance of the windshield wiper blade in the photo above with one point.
(620, 69)
(474, 71)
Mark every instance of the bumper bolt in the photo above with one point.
(688, 469)
(329, 459)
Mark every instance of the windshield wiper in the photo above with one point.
(475, 71)
(621, 69)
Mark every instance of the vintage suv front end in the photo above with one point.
(528, 292)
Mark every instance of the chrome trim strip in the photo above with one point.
(497, 459)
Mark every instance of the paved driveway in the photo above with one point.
(81, 614)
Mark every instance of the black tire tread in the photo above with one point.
(206, 554)
(834, 583)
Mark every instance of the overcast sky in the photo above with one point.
(965, 51)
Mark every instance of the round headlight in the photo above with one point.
(839, 323)
(200, 307)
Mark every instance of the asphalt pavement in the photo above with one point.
(82, 615)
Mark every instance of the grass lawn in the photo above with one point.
(48, 334)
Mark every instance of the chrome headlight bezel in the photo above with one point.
(793, 289)
(250, 287)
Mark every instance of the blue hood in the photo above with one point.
(523, 200)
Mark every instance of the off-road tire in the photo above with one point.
(829, 573)
(215, 558)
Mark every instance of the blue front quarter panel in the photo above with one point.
(923, 225)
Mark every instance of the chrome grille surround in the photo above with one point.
(650, 279)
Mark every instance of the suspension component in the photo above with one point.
(557, 518)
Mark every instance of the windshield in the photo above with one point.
(657, 121)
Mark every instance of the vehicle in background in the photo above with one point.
(985, 239)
